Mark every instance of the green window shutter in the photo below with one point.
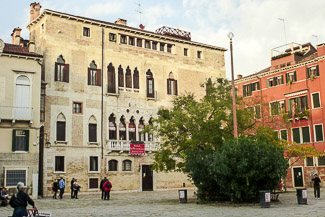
(284, 134)
(287, 78)
(316, 101)
(282, 81)
(267, 83)
(296, 135)
(305, 135)
(308, 72)
(13, 140)
(275, 81)
(27, 141)
(295, 76)
(258, 85)
(244, 90)
(319, 133)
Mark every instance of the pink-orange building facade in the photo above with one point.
(288, 96)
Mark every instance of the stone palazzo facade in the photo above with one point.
(103, 83)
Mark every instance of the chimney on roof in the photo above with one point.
(15, 36)
(239, 76)
(35, 10)
(31, 47)
(120, 21)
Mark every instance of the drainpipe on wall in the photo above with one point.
(261, 106)
(310, 111)
(102, 100)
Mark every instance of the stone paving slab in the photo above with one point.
(165, 203)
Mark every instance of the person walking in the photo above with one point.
(72, 190)
(19, 201)
(107, 188)
(55, 188)
(76, 188)
(316, 181)
(101, 187)
(62, 187)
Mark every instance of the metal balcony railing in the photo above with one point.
(124, 145)
(16, 113)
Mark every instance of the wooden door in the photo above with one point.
(147, 178)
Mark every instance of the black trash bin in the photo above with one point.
(302, 195)
(265, 199)
(182, 195)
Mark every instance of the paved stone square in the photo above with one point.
(165, 203)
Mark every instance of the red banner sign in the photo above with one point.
(137, 149)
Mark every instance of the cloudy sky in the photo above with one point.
(255, 23)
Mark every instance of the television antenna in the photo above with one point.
(139, 10)
(284, 28)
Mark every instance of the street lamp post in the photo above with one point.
(230, 36)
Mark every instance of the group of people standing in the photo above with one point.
(60, 185)
(105, 186)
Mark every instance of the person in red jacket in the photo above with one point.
(107, 188)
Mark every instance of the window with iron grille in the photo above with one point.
(319, 135)
(316, 100)
(20, 140)
(309, 161)
(77, 107)
(112, 165)
(86, 31)
(93, 183)
(92, 128)
(59, 164)
(93, 163)
(126, 165)
(15, 176)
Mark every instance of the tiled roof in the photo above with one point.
(255, 74)
(17, 49)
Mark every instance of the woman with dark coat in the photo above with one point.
(55, 188)
(19, 201)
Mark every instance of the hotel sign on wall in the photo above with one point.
(137, 148)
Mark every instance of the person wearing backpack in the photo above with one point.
(107, 188)
(19, 201)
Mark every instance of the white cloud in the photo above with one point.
(98, 10)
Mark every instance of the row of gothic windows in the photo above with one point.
(113, 129)
(124, 79)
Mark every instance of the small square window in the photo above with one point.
(316, 100)
(77, 107)
(199, 54)
(169, 48)
(93, 183)
(126, 166)
(86, 31)
(309, 161)
(131, 41)
(147, 44)
(139, 42)
(112, 37)
(112, 165)
(185, 52)
(162, 47)
(321, 161)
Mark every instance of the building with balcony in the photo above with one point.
(288, 96)
(20, 85)
(105, 83)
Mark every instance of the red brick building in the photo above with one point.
(288, 96)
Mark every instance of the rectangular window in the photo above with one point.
(275, 81)
(319, 135)
(249, 88)
(93, 164)
(147, 44)
(59, 164)
(131, 41)
(94, 77)
(316, 100)
(61, 72)
(20, 140)
(162, 47)
(154, 45)
(313, 72)
(93, 183)
(15, 176)
(305, 135)
(291, 77)
(309, 161)
(126, 165)
(86, 32)
(296, 135)
(199, 54)
(300, 104)
(60, 131)
(171, 87)
(169, 48)
(77, 107)
(92, 132)
(185, 51)
(276, 108)
(112, 37)
(321, 161)
(139, 42)
(123, 39)
(284, 134)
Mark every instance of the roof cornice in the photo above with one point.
(119, 27)
(22, 56)
(288, 68)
